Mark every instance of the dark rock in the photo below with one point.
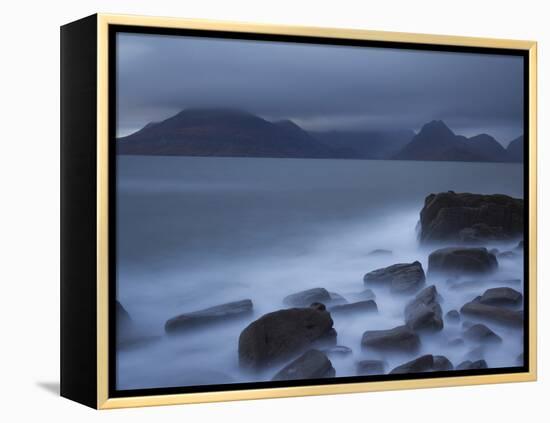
(424, 312)
(400, 338)
(477, 353)
(307, 297)
(501, 297)
(217, 314)
(380, 252)
(312, 364)
(282, 334)
(468, 217)
(492, 313)
(469, 365)
(338, 351)
(318, 306)
(403, 278)
(494, 251)
(467, 324)
(481, 333)
(371, 367)
(442, 364)
(462, 261)
(421, 364)
(337, 299)
(328, 339)
(453, 316)
(358, 307)
(367, 294)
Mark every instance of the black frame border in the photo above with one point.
(113, 30)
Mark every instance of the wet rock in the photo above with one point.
(477, 353)
(402, 278)
(421, 364)
(462, 261)
(371, 367)
(502, 296)
(442, 364)
(452, 316)
(494, 251)
(472, 365)
(367, 294)
(282, 334)
(481, 333)
(469, 217)
(337, 299)
(338, 351)
(307, 297)
(313, 364)
(368, 306)
(400, 338)
(380, 252)
(424, 312)
(217, 314)
(492, 313)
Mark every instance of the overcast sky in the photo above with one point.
(317, 86)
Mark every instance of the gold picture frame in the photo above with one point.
(102, 400)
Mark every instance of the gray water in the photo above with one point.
(194, 232)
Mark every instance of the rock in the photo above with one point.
(481, 333)
(452, 316)
(217, 314)
(520, 245)
(508, 255)
(456, 342)
(468, 217)
(469, 365)
(442, 364)
(421, 364)
(307, 297)
(494, 251)
(400, 338)
(477, 353)
(337, 299)
(462, 261)
(371, 367)
(312, 364)
(492, 313)
(338, 351)
(367, 294)
(502, 296)
(467, 324)
(283, 334)
(380, 252)
(403, 278)
(368, 306)
(424, 312)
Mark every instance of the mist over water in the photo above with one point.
(194, 232)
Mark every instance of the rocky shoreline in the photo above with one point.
(299, 340)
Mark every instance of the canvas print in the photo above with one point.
(293, 212)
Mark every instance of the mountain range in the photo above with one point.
(236, 133)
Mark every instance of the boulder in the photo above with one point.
(217, 314)
(424, 312)
(367, 294)
(503, 296)
(449, 216)
(402, 278)
(400, 338)
(421, 364)
(481, 333)
(371, 367)
(452, 316)
(283, 334)
(338, 351)
(307, 297)
(459, 261)
(368, 306)
(472, 365)
(491, 313)
(313, 364)
(442, 364)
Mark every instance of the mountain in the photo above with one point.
(515, 150)
(365, 144)
(436, 141)
(486, 146)
(222, 132)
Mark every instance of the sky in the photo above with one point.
(319, 87)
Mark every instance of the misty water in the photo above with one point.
(194, 232)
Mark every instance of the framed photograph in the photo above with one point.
(254, 211)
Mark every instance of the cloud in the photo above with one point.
(319, 86)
